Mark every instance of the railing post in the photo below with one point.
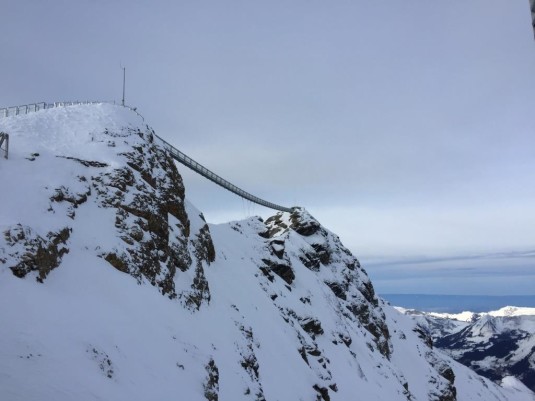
(4, 137)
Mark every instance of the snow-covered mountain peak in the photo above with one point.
(486, 326)
(112, 286)
(513, 311)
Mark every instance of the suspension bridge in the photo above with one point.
(173, 151)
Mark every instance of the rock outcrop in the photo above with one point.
(145, 194)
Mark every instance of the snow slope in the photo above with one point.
(113, 287)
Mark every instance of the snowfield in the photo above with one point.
(113, 287)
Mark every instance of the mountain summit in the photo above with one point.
(114, 287)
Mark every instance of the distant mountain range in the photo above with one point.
(495, 344)
(457, 303)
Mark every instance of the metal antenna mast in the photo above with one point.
(124, 82)
(532, 7)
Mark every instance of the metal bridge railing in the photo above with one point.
(28, 108)
(175, 153)
(199, 168)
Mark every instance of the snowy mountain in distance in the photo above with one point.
(513, 311)
(495, 344)
(113, 287)
(457, 303)
(437, 325)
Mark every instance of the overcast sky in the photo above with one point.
(405, 126)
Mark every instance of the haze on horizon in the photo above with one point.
(405, 127)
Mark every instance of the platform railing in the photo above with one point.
(33, 107)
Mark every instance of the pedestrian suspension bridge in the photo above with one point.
(174, 152)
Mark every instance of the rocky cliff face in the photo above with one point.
(142, 195)
(322, 252)
(113, 286)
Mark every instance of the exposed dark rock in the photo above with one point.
(35, 253)
(211, 385)
(377, 327)
(32, 157)
(87, 163)
(275, 226)
(424, 335)
(303, 226)
(250, 364)
(116, 262)
(204, 247)
(266, 272)
(406, 391)
(204, 251)
(448, 394)
(103, 360)
(445, 390)
(323, 393)
(155, 251)
(354, 264)
(338, 290)
(283, 271)
(311, 261)
(311, 326)
(314, 351)
(200, 292)
(303, 354)
(323, 253)
(277, 247)
(63, 194)
(447, 373)
(366, 289)
(345, 339)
